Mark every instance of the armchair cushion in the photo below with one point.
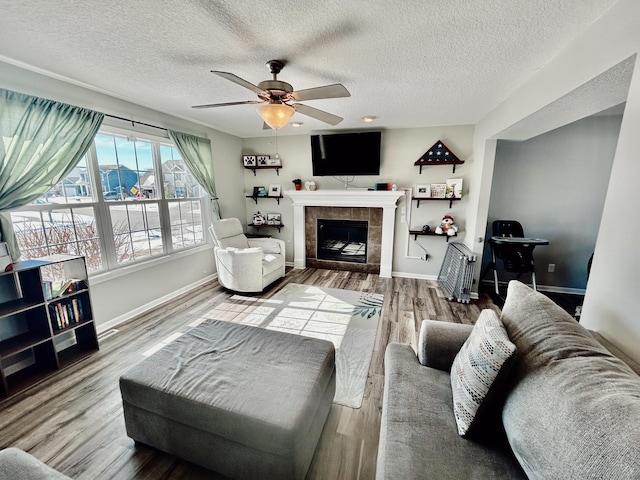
(268, 245)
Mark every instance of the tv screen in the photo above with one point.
(342, 154)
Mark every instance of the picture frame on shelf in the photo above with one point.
(438, 190)
(422, 191)
(262, 160)
(260, 191)
(274, 162)
(249, 160)
(454, 188)
(275, 190)
(274, 219)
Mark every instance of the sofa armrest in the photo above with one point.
(440, 342)
(19, 465)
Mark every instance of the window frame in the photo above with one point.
(102, 208)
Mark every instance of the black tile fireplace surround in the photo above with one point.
(342, 240)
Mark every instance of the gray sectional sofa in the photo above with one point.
(569, 408)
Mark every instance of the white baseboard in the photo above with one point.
(102, 327)
(418, 276)
(544, 288)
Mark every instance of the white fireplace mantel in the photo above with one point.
(345, 198)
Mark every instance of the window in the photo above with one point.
(127, 200)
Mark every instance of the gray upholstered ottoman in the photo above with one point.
(243, 401)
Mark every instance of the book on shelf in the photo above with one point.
(47, 288)
(62, 287)
(65, 314)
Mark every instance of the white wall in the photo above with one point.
(120, 294)
(400, 149)
(555, 185)
(612, 304)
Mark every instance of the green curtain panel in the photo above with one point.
(42, 140)
(196, 153)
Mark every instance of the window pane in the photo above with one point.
(75, 187)
(177, 180)
(137, 230)
(126, 167)
(186, 223)
(60, 230)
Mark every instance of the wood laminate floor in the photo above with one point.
(73, 421)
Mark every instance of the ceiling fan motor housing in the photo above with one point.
(276, 87)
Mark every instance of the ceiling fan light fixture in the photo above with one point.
(276, 115)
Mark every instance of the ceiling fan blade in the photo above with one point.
(328, 91)
(239, 81)
(211, 105)
(317, 114)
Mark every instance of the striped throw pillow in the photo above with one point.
(479, 368)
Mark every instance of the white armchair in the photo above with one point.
(245, 265)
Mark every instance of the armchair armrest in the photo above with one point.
(440, 342)
(241, 260)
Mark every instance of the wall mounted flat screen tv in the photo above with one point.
(343, 154)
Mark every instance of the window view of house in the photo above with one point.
(147, 201)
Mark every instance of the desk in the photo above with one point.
(520, 244)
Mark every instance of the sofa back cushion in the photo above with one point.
(573, 409)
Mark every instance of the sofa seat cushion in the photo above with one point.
(573, 410)
(418, 434)
(256, 387)
(479, 371)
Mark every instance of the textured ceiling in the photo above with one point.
(411, 63)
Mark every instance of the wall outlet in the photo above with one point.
(403, 218)
(552, 268)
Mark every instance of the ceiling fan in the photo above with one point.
(278, 99)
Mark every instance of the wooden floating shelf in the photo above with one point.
(255, 199)
(436, 162)
(417, 233)
(265, 225)
(450, 200)
(265, 167)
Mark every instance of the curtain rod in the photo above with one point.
(133, 122)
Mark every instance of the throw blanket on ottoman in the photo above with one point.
(240, 400)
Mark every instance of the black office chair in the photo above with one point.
(516, 258)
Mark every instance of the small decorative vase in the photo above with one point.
(298, 186)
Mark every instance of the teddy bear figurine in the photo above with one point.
(447, 226)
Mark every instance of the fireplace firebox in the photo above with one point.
(342, 240)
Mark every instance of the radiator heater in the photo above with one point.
(456, 274)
